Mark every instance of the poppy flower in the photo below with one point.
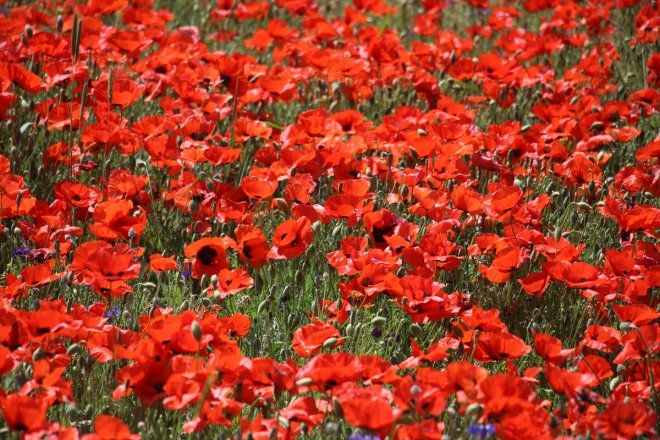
(252, 245)
(551, 349)
(308, 339)
(373, 413)
(23, 413)
(209, 256)
(494, 346)
(40, 275)
(230, 282)
(291, 238)
(159, 263)
(626, 420)
(328, 370)
(110, 428)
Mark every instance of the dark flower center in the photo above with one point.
(206, 255)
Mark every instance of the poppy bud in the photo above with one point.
(284, 423)
(614, 383)
(575, 217)
(71, 410)
(379, 320)
(214, 280)
(72, 349)
(38, 354)
(193, 206)
(415, 390)
(18, 233)
(337, 409)
(583, 205)
(416, 329)
(148, 286)
(60, 24)
(196, 330)
(132, 234)
(304, 382)
(422, 132)
(29, 32)
(473, 410)
(331, 429)
(273, 433)
(557, 233)
(262, 307)
(286, 294)
(330, 343)
(627, 327)
(71, 240)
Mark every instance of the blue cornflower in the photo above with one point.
(112, 313)
(186, 274)
(361, 436)
(482, 430)
(21, 252)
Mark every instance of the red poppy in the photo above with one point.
(252, 245)
(494, 346)
(551, 349)
(626, 420)
(24, 413)
(291, 238)
(158, 263)
(209, 256)
(230, 282)
(309, 339)
(40, 275)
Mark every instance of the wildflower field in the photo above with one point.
(329, 219)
